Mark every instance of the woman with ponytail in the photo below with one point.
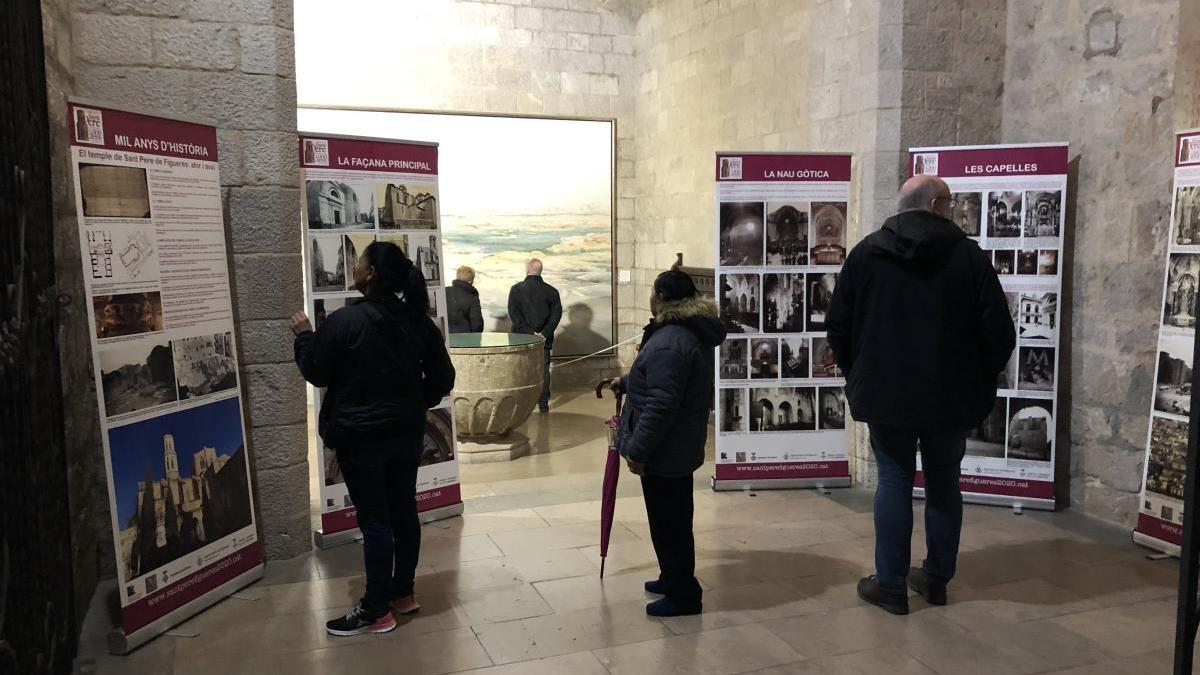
(383, 363)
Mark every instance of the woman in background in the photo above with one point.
(383, 363)
(664, 428)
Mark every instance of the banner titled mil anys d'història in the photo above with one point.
(1011, 199)
(1160, 509)
(356, 191)
(164, 348)
(781, 241)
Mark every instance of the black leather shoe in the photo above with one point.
(870, 591)
(933, 592)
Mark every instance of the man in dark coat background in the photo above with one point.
(920, 326)
(535, 309)
(462, 303)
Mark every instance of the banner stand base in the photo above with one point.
(778, 483)
(1159, 545)
(999, 500)
(333, 539)
(323, 541)
(119, 643)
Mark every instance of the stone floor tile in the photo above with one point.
(580, 663)
(738, 605)
(427, 654)
(567, 632)
(582, 592)
(872, 662)
(1126, 630)
(984, 608)
(860, 628)
(737, 649)
(1120, 583)
(577, 535)
(491, 605)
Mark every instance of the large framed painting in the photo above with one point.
(511, 189)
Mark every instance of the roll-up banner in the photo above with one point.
(356, 191)
(780, 241)
(164, 350)
(1011, 199)
(1160, 509)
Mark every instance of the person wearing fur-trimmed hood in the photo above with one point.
(664, 427)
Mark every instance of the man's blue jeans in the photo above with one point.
(941, 459)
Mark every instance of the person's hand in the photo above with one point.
(300, 323)
(636, 468)
(614, 384)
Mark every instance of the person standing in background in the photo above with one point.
(462, 303)
(920, 326)
(535, 309)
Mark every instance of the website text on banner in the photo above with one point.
(356, 191)
(1011, 199)
(1160, 509)
(164, 347)
(780, 240)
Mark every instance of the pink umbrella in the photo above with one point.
(612, 473)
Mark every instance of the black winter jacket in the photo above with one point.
(534, 307)
(462, 308)
(920, 326)
(669, 389)
(381, 368)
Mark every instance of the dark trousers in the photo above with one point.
(669, 509)
(385, 496)
(941, 459)
(545, 398)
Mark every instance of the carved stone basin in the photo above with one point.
(497, 386)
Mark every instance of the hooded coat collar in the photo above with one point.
(696, 314)
(919, 241)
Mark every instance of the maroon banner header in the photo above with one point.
(782, 470)
(97, 127)
(319, 152)
(149, 609)
(1046, 160)
(784, 168)
(1187, 149)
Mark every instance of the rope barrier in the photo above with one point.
(555, 366)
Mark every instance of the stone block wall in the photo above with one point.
(1101, 76)
(560, 58)
(232, 65)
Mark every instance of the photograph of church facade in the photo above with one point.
(733, 410)
(1004, 215)
(412, 206)
(968, 212)
(1173, 388)
(828, 233)
(428, 260)
(1186, 226)
(783, 409)
(1043, 211)
(1179, 304)
(739, 302)
(1037, 316)
(137, 375)
(783, 303)
(741, 236)
(734, 359)
(181, 483)
(353, 246)
(987, 439)
(330, 205)
(328, 264)
(787, 233)
(1030, 429)
(1166, 469)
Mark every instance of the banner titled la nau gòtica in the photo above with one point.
(357, 191)
(1160, 509)
(164, 348)
(781, 240)
(1011, 199)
